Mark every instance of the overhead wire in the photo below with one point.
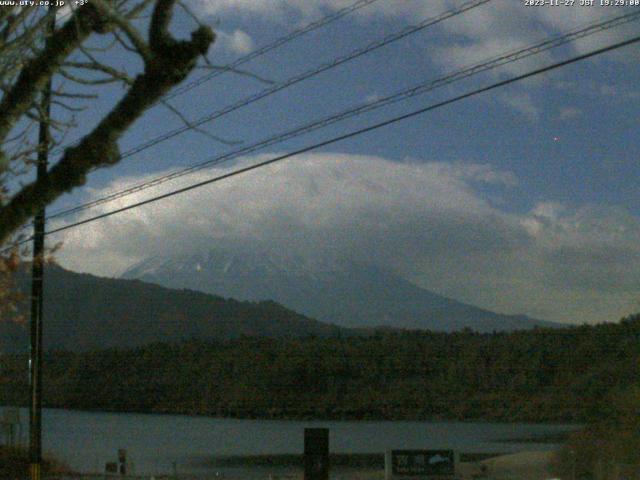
(424, 87)
(348, 135)
(387, 40)
(271, 46)
(409, 30)
(315, 25)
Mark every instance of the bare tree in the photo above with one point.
(27, 63)
(79, 54)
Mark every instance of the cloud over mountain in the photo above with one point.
(444, 226)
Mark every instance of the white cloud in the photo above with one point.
(237, 41)
(280, 10)
(569, 113)
(428, 221)
(500, 23)
(488, 29)
(522, 103)
(372, 98)
(484, 32)
(64, 12)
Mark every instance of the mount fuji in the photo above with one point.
(340, 292)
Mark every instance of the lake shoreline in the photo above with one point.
(303, 418)
(340, 460)
(526, 465)
(87, 440)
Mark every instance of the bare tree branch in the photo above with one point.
(138, 9)
(132, 34)
(189, 124)
(123, 43)
(67, 106)
(101, 67)
(167, 63)
(86, 96)
(37, 71)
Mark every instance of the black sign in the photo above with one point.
(122, 455)
(423, 462)
(316, 453)
(122, 461)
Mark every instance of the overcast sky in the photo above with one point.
(522, 200)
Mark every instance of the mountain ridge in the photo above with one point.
(85, 312)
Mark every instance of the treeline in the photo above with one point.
(541, 375)
(609, 446)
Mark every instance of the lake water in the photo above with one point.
(86, 440)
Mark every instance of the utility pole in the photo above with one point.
(37, 275)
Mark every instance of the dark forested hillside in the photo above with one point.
(539, 375)
(85, 312)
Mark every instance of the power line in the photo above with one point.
(271, 46)
(263, 50)
(495, 62)
(326, 20)
(349, 135)
(303, 76)
(306, 75)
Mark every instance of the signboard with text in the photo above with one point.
(423, 464)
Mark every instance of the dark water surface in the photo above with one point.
(159, 443)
